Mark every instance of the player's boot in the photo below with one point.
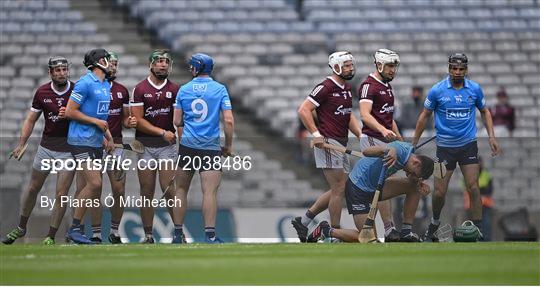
(74, 235)
(430, 233)
(301, 230)
(215, 240)
(148, 240)
(410, 237)
(48, 241)
(318, 233)
(393, 236)
(14, 235)
(114, 239)
(96, 240)
(178, 238)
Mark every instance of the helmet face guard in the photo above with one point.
(386, 57)
(113, 57)
(58, 61)
(338, 60)
(201, 64)
(457, 60)
(156, 56)
(92, 58)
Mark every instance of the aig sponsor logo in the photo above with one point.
(458, 114)
(103, 108)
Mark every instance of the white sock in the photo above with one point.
(435, 221)
(306, 220)
(98, 235)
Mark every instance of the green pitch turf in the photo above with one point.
(271, 264)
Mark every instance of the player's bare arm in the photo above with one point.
(73, 113)
(146, 127)
(26, 131)
(370, 121)
(305, 112)
(178, 122)
(354, 127)
(488, 123)
(228, 129)
(421, 125)
(395, 129)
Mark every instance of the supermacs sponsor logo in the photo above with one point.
(115, 112)
(150, 112)
(52, 117)
(342, 111)
(386, 109)
(458, 114)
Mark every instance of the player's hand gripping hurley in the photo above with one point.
(368, 232)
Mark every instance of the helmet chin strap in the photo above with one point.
(104, 68)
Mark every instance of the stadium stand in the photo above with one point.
(270, 55)
(271, 58)
(26, 47)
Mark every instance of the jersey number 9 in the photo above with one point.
(200, 108)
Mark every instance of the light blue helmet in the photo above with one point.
(202, 63)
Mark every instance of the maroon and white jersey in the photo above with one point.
(382, 97)
(49, 101)
(334, 107)
(157, 103)
(119, 100)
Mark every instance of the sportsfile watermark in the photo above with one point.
(113, 162)
(109, 201)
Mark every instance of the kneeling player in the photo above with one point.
(362, 182)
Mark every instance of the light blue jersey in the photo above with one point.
(94, 98)
(202, 100)
(455, 111)
(367, 170)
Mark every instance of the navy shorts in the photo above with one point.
(358, 201)
(192, 159)
(86, 152)
(464, 155)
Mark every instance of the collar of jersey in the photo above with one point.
(449, 85)
(373, 76)
(337, 84)
(157, 87)
(202, 79)
(61, 92)
(93, 76)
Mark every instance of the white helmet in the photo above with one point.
(385, 56)
(339, 58)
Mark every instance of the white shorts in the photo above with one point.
(159, 153)
(368, 141)
(327, 158)
(47, 154)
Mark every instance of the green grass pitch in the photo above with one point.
(273, 264)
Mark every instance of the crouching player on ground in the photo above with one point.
(362, 182)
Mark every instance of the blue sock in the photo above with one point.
(178, 228)
(210, 232)
(76, 223)
(406, 229)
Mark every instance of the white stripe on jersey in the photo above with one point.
(313, 101)
(76, 96)
(35, 110)
(316, 90)
(364, 91)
